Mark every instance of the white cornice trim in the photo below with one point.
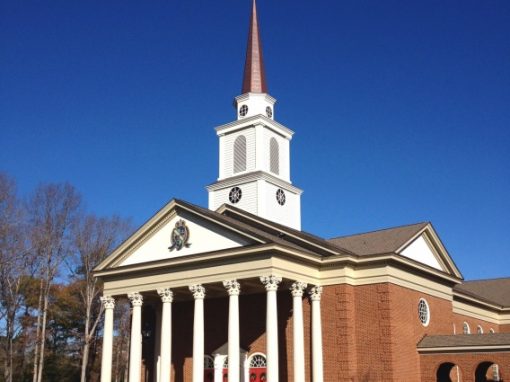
(246, 96)
(464, 349)
(252, 121)
(253, 177)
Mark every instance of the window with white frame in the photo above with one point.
(423, 312)
(479, 330)
(465, 328)
(258, 360)
(491, 331)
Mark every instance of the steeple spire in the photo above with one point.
(254, 80)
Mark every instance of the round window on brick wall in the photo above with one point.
(423, 312)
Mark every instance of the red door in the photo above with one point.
(257, 374)
(208, 375)
(225, 375)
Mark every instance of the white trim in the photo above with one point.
(253, 355)
(464, 349)
(240, 178)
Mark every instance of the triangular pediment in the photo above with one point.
(205, 231)
(420, 250)
(426, 248)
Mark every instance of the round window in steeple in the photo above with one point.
(269, 112)
(243, 110)
(235, 195)
(280, 197)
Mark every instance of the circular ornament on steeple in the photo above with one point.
(235, 195)
(269, 112)
(243, 110)
(280, 197)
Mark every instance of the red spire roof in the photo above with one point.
(254, 79)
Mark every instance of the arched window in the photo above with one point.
(274, 156)
(491, 331)
(240, 154)
(465, 328)
(479, 329)
(258, 360)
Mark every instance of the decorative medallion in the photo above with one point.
(179, 236)
(243, 110)
(235, 195)
(269, 112)
(280, 197)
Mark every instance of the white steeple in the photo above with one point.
(254, 168)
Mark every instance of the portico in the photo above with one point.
(199, 292)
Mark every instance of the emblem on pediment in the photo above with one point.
(179, 236)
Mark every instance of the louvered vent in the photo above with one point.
(240, 154)
(274, 156)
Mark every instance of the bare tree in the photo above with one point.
(94, 239)
(52, 211)
(13, 262)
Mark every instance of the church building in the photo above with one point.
(238, 292)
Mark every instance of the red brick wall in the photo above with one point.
(473, 323)
(339, 333)
(407, 330)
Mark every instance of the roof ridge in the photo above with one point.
(379, 230)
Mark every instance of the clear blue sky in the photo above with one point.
(401, 108)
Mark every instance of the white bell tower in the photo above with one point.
(254, 168)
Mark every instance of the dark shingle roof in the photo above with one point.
(496, 291)
(276, 228)
(491, 339)
(383, 241)
(244, 227)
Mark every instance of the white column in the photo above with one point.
(198, 332)
(234, 367)
(106, 361)
(219, 360)
(135, 354)
(165, 334)
(317, 372)
(297, 290)
(157, 346)
(271, 284)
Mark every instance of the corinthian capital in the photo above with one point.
(298, 288)
(233, 287)
(271, 282)
(135, 298)
(198, 291)
(315, 293)
(166, 294)
(108, 302)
